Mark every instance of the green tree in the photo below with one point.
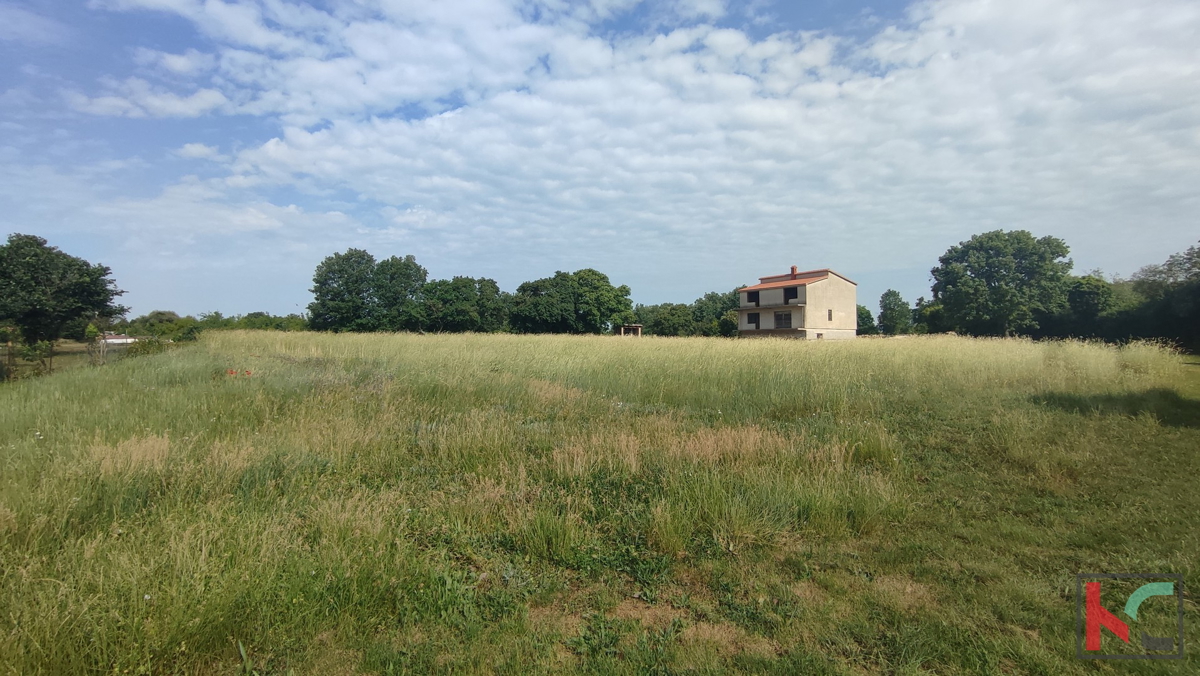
(1000, 283)
(398, 284)
(866, 321)
(1089, 297)
(672, 319)
(43, 290)
(928, 317)
(708, 310)
(493, 304)
(727, 325)
(545, 305)
(895, 315)
(597, 301)
(1167, 300)
(344, 293)
(581, 302)
(452, 305)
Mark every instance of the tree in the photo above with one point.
(1167, 301)
(708, 310)
(672, 319)
(727, 325)
(344, 293)
(584, 301)
(452, 305)
(42, 290)
(1089, 297)
(928, 317)
(1000, 283)
(545, 305)
(398, 284)
(895, 315)
(866, 321)
(597, 301)
(494, 305)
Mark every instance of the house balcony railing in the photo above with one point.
(786, 303)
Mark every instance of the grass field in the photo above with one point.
(517, 504)
(68, 354)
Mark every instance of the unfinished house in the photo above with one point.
(812, 305)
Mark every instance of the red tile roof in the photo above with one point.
(793, 279)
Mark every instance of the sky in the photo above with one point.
(212, 152)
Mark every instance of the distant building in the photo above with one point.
(812, 305)
(118, 339)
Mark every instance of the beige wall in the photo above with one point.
(832, 293)
(831, 334)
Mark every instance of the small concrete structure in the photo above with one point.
(630, 330)
(811, 305)
(118, 339)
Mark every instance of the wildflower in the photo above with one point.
(247, 373)
(146, 597)
(232, 372)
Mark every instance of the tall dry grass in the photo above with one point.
(385, 500)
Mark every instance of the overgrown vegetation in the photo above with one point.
(1006, 283)
(318, 503)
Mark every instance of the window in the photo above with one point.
(752, 297)
(752, 319)
(783, 320)
(831, 315)
(790, 293)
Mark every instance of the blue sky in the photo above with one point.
(212, 152)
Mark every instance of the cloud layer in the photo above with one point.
(516, 138)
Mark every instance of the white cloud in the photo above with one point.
(21, 25)
(191, 62)
(136, 97)
(199, 151)
(701, 157)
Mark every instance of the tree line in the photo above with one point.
(353, 292)
(1011, 283)
(994, 284)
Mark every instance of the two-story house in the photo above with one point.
(812, 305)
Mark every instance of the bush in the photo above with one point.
(145, 346)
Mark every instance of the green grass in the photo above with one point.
(68, 354)
(516, 504)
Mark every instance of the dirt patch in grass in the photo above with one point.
(555, 620)
(650, 616)
(727, 640)
(809, 593)
(330, 660)
(904, 593)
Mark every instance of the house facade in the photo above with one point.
(811, 305)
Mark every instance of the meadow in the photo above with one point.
(309, 503)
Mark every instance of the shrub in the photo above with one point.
(145, 346)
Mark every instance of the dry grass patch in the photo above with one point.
(904, 593)
(8, 520)
(548, 392)
(649, 616)
(556, 621)
(131, 455)
(327, 659)
(728, 445)
(726, 639)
